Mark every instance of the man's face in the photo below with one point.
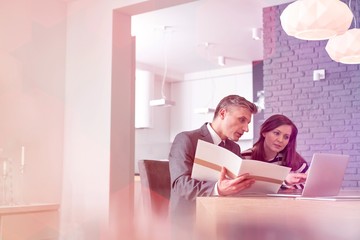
(235, 121)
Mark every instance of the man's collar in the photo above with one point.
(215, 137)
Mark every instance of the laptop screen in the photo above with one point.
(325, 175)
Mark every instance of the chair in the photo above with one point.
(155, 185)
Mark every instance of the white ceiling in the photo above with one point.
(179, 34)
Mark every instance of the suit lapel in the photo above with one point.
(205, 134)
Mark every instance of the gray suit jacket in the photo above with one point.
(184, 189)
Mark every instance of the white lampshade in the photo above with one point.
(345, 48)
(316, 19)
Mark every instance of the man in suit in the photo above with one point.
(231, 118)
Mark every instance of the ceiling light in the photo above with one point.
(256, 33)
(345, 48)
(221, 61)
(204, 110)
(205, 44)
(316, 19)
(163, 29)
(162, 102)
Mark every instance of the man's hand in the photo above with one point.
(227, 186)
(295, 178)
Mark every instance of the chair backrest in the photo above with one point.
(155, 182)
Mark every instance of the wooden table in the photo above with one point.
(21, 209)
(268, 218)
(25, 209)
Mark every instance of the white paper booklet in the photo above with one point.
(209, 158)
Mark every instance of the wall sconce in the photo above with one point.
(260, 102)
(256, 33)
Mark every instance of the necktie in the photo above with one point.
(222, 144)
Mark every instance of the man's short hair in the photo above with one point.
(237, 101)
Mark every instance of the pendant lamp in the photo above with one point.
(345, 48)
(163, 101)
(316, 19)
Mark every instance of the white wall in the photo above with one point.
(144, 88)
(99, 120)
(85, 200)
(153, 142)
(32, 80)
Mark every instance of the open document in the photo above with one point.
(209, 158)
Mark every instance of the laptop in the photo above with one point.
(325, 177)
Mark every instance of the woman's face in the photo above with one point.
(277, 139)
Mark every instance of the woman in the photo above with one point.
(277, 144)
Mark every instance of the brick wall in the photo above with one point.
(327, 112)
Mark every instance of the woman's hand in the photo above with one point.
(295, 178)
(227, 186)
